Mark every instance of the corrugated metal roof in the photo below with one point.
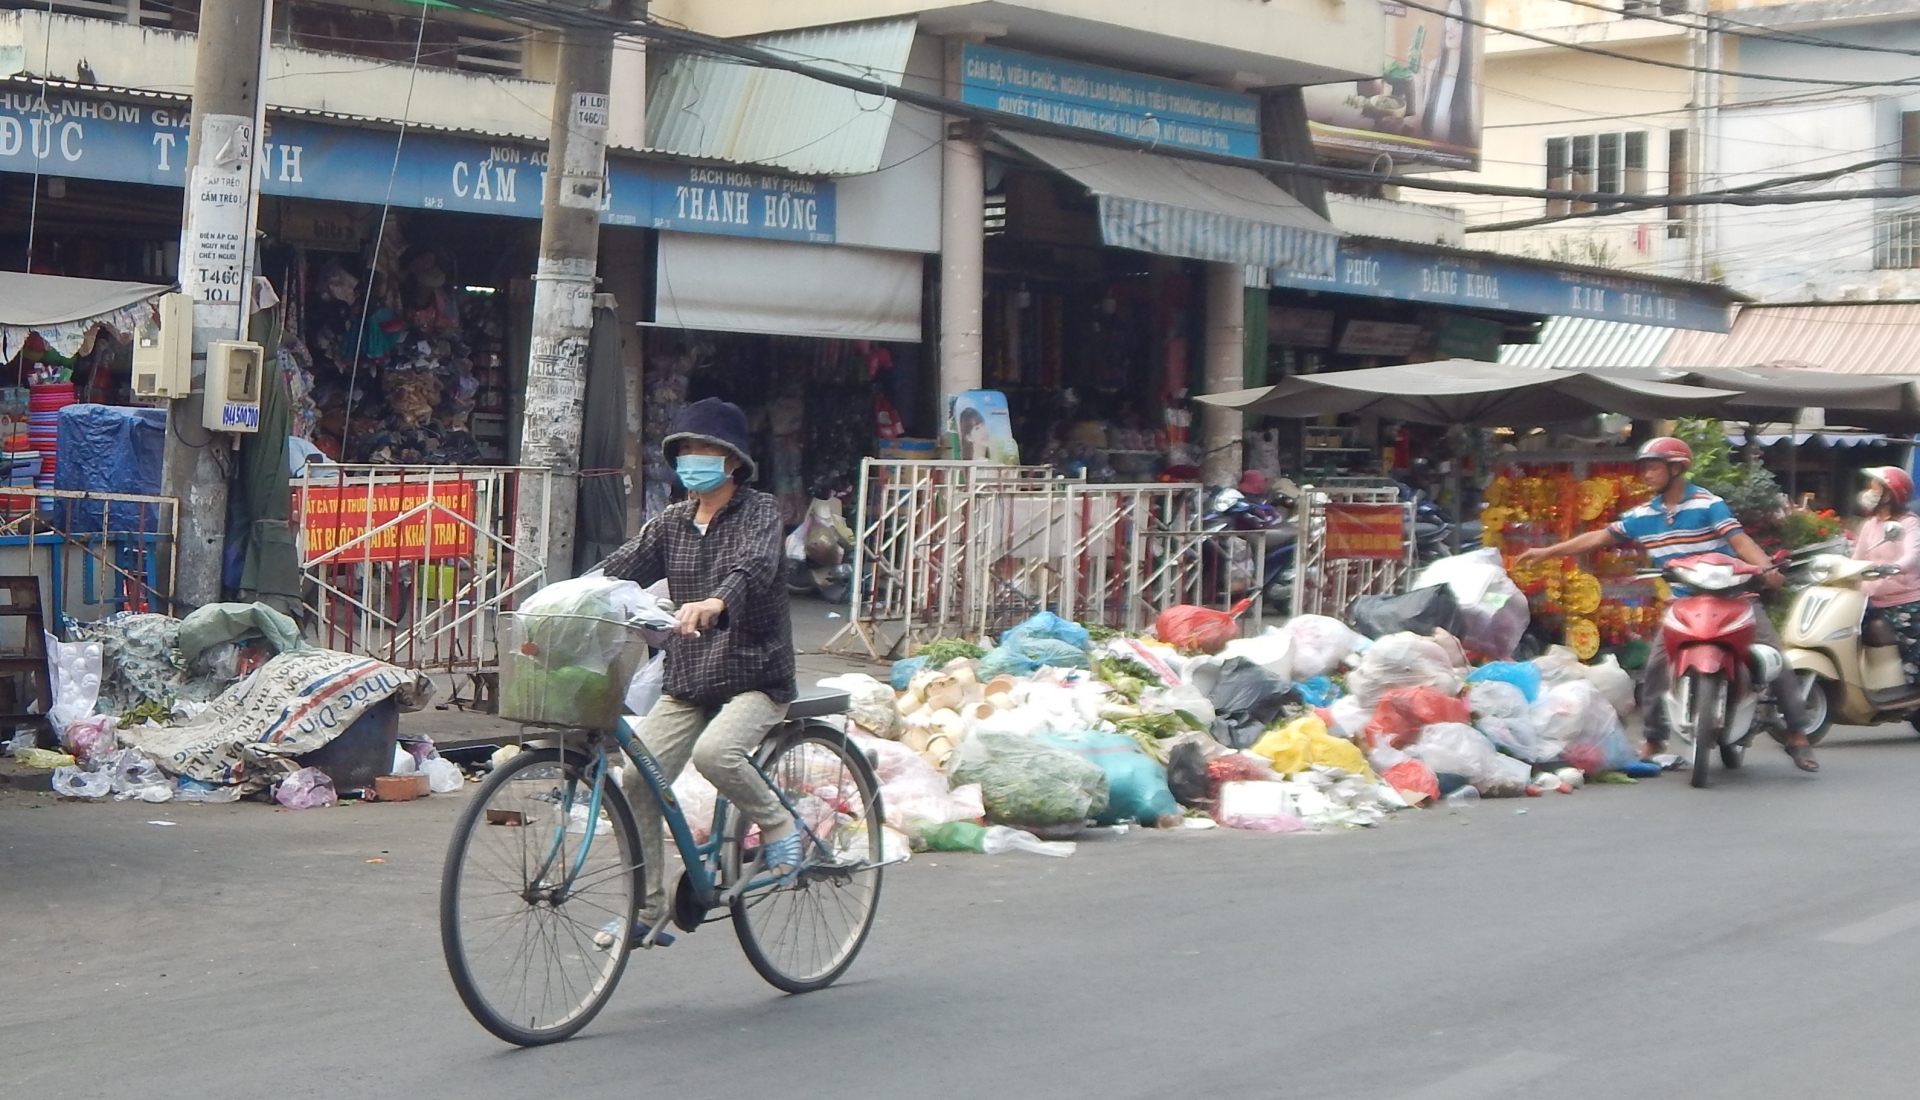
(1184, 208)
(718, 109)
(1574, 342)
(1864, 338)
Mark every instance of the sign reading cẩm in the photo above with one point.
(394, 523)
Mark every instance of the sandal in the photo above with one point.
(1802, 755)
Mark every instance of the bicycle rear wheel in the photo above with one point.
(531, 875)
(803, 937)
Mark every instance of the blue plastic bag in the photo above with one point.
(903, 672)
(1136, 785)
(1521, 674)
(1318, 692)
(1048, 626)
(1023, 657)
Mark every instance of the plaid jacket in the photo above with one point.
(740, 559)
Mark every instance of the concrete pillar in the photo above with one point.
(1225, 353)
(962, 244)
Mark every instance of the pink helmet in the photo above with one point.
(1666, 449)
(1899, 484)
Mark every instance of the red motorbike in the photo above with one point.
(1720, 675)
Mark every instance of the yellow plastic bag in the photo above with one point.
(1304, 742)
(43, 758)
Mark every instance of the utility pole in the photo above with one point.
(563, 286)
(1696, 136)
(216, 242)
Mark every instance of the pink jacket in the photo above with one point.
(1871, 543)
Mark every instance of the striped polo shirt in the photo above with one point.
(1700, 524)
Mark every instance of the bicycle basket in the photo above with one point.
(567, 670)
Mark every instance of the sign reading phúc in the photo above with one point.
(390, 523)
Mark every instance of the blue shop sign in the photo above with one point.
(86, 138)
(1491, 281)
(1109, 101)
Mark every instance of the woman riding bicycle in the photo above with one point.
(729, 665)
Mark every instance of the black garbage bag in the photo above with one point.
(1246, 699)
(1421, 611)
(1187, 775)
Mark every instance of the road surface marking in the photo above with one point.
(1488, 1078)
(1874, 929)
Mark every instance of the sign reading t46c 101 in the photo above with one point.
(401, 522)
(1365, 531)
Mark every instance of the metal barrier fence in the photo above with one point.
(99, 552)
(947, 548)
(1334, 569)
(412, 564)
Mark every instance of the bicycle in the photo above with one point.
(527, 845)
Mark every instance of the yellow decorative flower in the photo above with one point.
(1596, 496)
(1582, 594)
(1583, 638)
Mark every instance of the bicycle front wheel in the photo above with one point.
(534, 873)
(804, 936)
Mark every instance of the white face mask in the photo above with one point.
(1868, 501)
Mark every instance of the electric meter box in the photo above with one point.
(233, 386)
(163, 352)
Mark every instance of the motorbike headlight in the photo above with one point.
(1819, 572)
(1709, 577)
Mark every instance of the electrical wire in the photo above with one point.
(1735, 28)
(33, 202)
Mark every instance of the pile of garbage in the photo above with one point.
(1309, 726)
(224, 703)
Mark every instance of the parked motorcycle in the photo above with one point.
(1273, 538)
(1720, 674)
(1848, 666)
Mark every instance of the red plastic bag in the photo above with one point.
(1201, 629)
(1235, 767)
(1412, 775)
(1404, 712)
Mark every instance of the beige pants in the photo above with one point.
(721, 748)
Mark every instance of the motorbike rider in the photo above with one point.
(1682, 520)
(1890, 534)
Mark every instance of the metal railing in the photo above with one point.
(100, 552)
(412, 564)
(1326, 581)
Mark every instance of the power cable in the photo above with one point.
(1728, 26)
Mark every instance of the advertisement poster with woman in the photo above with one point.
(1424, 107)
(983, 432)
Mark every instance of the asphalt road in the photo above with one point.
(1756, 940)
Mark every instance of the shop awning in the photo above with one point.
(1847, 338)
(1189, 209)
(33, 301)
(737, 284)
(719, 109)
(1467, 391)
(1581, 342)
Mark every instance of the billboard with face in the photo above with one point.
(1423, 108)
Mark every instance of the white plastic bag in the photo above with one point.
(443, 775)
(1320, 645)
(643, 691)
(1613, 682)
(133, 775)
(1492, 606)
(1457, 749)
(870, 702)
(1271, 649)
(1350, 717)
(403, 762)
(71, 782)
(1003, 838)
(1501, 711)
(1402, 660)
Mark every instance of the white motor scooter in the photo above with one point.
(1848, 668)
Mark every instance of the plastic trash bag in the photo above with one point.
(1454, 748)
(1046, 625)
(643, 691)
(1304, 742)
(192, 790)
(1023, 782)
(1199, 629)
(1187, 775)
(1137, 788)
(1320, 691)
(1025, 656)
(72, 782)
(1246, 699)
(1422, 611)
(22, 741)
(1321, 645)
(92, 738)
(306, 789)
(1349, 718)
(1613, 682)
(1585, 727)
(575, 647)
(903, 670)
(42, 758)
(1559, 665)
(403, 761)
(1524, 675)
(73, 679)
(1402, 660)
(1493, 610)
(1403, 712)
(914, 793)
(997, 839)
(1412, 776)
(1271, 649)
(870, 703)
(132, 773)
(443, 775)
(1501, 711)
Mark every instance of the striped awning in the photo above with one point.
(1190, 209)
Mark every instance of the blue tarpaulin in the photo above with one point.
(109, 449)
